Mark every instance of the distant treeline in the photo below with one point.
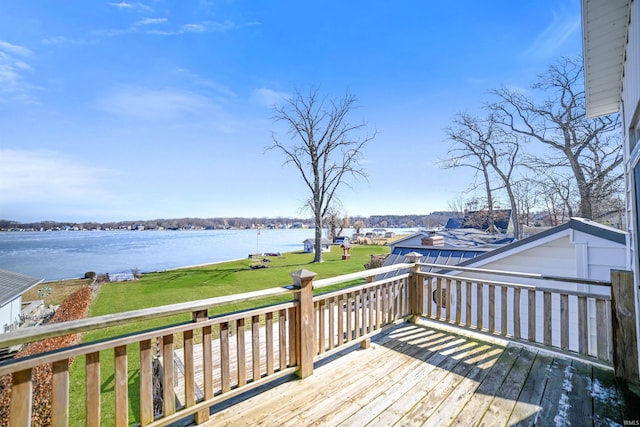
(433, 219)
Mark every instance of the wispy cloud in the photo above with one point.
(131, 6)
(267, 97)
(13, 69)
(43, 176)
(165, 106)
(564, 24)
(202, 27)
(151, 21)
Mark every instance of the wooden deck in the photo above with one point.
(429, 375)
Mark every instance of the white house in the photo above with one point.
(611, 45)
(309, 245)
(579, 248)
(12, 286)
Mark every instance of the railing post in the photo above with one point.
(416, 289)
(305, 322)
(623, 326)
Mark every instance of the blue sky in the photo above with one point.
(129, 110)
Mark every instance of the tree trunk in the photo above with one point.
(318, 238)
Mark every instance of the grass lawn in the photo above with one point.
(168, 287)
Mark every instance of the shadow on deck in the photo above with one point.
(427, 375)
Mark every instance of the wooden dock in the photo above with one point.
(429, 375)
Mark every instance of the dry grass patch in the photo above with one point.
(60, 290)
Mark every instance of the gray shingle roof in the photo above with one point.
(14, 284)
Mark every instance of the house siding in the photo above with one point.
(9, 314)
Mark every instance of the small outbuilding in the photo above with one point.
(12, 286)
(343, 240)
(310, 243)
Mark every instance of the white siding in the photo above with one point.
(9, 313)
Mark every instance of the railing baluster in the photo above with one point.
(349, 313)
(546, 307)
(60, 393)
(583, 326)
(146, 383)
(469, 305)
(269, 336)
(516, 314)
(207, 369)
(341, 310)
(531, 334)
(255, 347)
(241, 353)
(121, 379)
(480, 305)
(447, 298)
(321, 334)
(371, 311)
(363, 311)
(385, 303)
(492, 308)
(430, 297)
(332, 315)
(21, 399)
(356, 314)
(438, 298)
(189, 369)
(459, 302)
(92, 391)
(602, 327)
(225, 362)
(504, 317)
(293, 342)
(564, 321)
(282, 339)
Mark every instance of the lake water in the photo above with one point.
(69, 254)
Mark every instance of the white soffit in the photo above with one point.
(604, 33)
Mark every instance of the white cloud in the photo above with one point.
(267, 97)
(166, 107)
(151, 21)
(139, 7)
(14, 49)
(44, 176)
(563, 25)
(122, 5)
(13, 84)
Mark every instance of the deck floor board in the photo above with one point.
(427, 375)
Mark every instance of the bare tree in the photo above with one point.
(337, 220)
(589, 148)
(327, 148)
(484, 146)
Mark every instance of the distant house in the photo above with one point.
(343, 240)
(310, 243)
(12, 286)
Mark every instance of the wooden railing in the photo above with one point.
(539, 312)
(224, 355)
(270, 342)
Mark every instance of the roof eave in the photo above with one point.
(604, 33)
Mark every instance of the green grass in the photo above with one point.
(169, 287)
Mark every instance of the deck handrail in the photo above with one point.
(100, 322)
(359, 275)
(518, 274)
(519, 285)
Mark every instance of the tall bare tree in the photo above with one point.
(589, 148)
(484, 146)
(326, 150)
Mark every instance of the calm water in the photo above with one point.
(69, 254)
